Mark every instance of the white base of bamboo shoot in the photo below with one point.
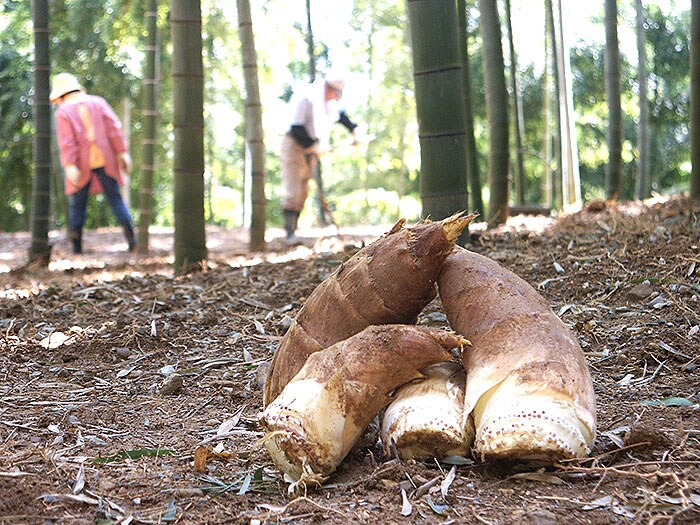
(531, 427)
(426, 418)
(305, 432)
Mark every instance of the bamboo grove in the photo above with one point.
(461, 114)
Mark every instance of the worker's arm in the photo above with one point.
(302, 137)
(345, 121)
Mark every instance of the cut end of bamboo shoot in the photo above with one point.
(425, 419)
(454, 225)
(533, 428)
(306, 451)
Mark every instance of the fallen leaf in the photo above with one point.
(54, 340)
(79, 481)
(671, 350)
(201, 454)
(622, 511)
(259, 327)
(599, 503)
(539, 476)
(615, 439)
(136, 454)
(445, 485)
(437, 509)
(167, 370)
(272, 508)
(457, 460)
(230, 423)
(82, 498)
(660, 301)
(125, 372)
(245, 485)
(564, 309)
(170, 511)
(406, 507)
(669, 402)
(625, 380)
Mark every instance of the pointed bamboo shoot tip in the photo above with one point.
(397, 227)
(453, 226)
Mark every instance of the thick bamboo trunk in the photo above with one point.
(188, 124)
(437, 73)
(254, 136)
(497, 110)
(40, 250)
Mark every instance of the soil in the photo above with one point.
(96, 428)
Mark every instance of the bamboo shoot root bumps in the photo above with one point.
(388, 282)
(325, 408)
(528, 386)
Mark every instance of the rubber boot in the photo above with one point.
(291, 218)
(130, 237)
(76, 239)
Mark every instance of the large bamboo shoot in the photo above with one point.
(528, 387)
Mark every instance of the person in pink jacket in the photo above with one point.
(93, 155)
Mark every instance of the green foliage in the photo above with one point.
(668, 36)
(15, 117)
(15, 135)
(95, 40)
(587, 65)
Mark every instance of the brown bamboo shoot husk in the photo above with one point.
(388, 282)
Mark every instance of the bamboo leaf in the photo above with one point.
(79, 481)
(136, 454)
(438, 509)
(406, 507)
(669, 402)
(445, 485)
(170, 511)
(457, 460)
(245, 485)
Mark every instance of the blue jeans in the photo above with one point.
(77, 213)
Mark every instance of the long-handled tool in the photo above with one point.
(325, 215)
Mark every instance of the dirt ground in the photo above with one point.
(96, 428)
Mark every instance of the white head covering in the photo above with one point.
(64, 83)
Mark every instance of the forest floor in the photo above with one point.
(96, 428)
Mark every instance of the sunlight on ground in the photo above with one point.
(106, 260)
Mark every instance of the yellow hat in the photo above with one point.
(64, 83)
